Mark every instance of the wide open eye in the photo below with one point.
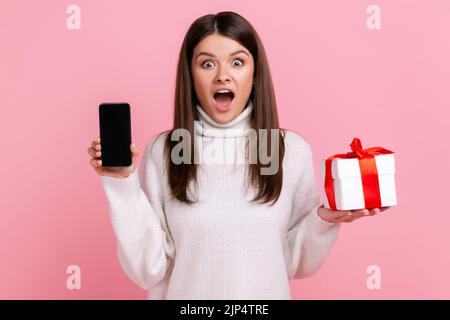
(204, 64)
(239, 64)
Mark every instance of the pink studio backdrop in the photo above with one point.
(335, 79)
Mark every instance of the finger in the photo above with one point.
(94, 153)
(354, 214)
(373, 211)
(96, 145)
(361, 211)
(97, 154)
(96, 163)
(343, 216)
(134, 150)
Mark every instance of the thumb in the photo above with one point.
(134, 150)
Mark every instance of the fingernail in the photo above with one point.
(366, 212)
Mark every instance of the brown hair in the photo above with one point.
(264, 115)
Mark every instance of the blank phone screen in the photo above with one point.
(115, 134)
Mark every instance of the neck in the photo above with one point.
(238, 127)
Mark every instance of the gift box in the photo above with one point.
(363, 178)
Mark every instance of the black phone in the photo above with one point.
(115, 134)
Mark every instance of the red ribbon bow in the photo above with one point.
(369, 173)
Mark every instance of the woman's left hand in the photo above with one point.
(346, 215)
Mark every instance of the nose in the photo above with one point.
(223, 75)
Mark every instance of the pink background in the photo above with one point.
(334, 79)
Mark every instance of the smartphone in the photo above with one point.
(115, 134)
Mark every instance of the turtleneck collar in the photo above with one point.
(238, 127)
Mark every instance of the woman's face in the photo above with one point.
(219, 62)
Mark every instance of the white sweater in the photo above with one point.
(223, 247)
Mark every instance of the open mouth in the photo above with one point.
(223, 99)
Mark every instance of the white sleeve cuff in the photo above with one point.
(129, 184)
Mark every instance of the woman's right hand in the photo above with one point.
(116, 172)
(336, 216)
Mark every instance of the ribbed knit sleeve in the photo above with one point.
(136, 208)
(309, 238)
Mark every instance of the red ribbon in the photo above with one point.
(369, 173)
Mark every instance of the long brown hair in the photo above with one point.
(264, 115)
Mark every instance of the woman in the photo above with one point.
(201, 229)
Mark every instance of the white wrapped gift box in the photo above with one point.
(348, 186)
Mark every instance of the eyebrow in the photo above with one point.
(211, 55)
